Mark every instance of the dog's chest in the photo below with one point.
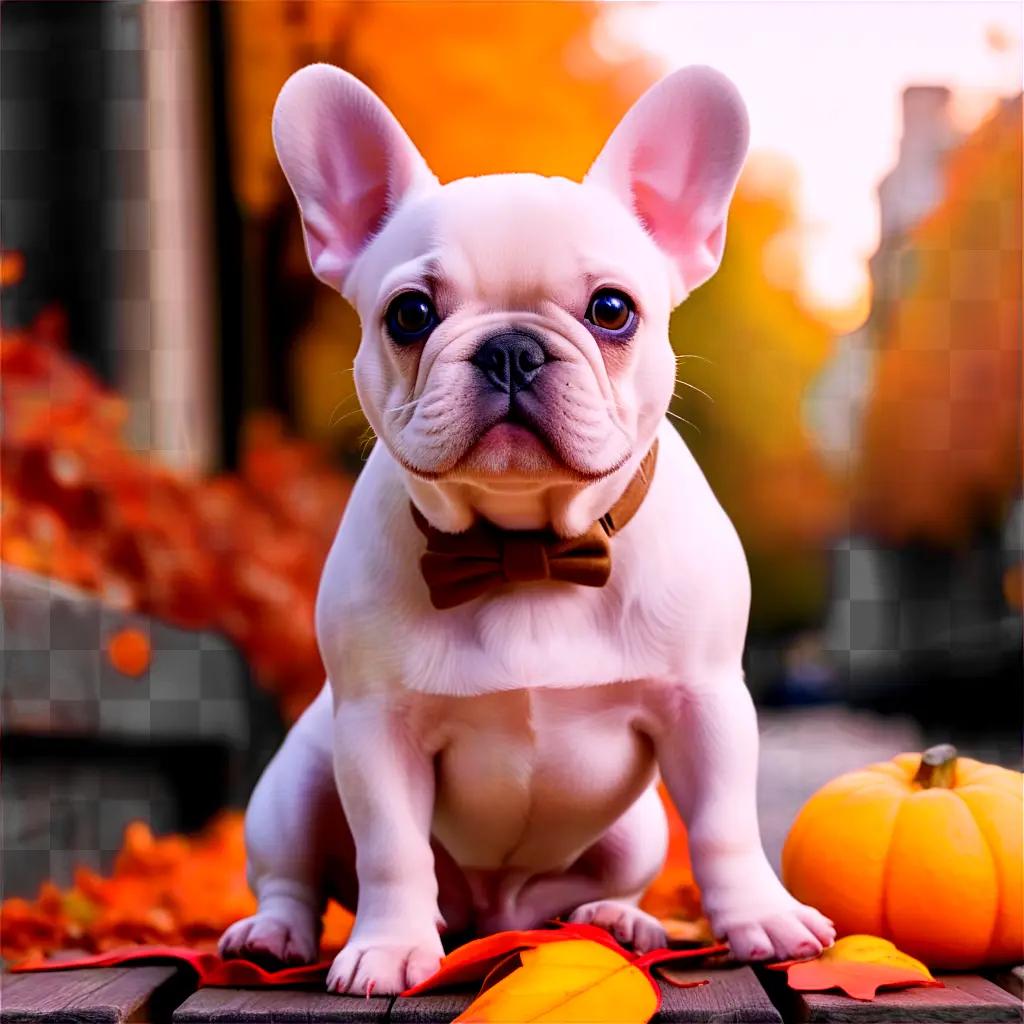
(529, 778)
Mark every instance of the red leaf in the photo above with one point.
(211, 970)
(474, 960)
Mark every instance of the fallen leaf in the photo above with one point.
(475, 960)
(571, 980)
(859, 965)
(678, 978)
(211, 971)
(129, 652)
(573, 972)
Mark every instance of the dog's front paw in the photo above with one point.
(272, 939)
(383, 968)
(629, 924)
(763, 922)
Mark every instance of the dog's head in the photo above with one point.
(514, 326)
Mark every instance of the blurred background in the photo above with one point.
(180, 431)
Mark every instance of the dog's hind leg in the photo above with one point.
(288, 826)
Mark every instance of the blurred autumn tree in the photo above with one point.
(487, 87)
(941, 455)
(746, 342)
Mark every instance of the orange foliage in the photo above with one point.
(481, 88)
(184, 891)
(746, 342)
(241, 554)
(942, 432)
(171, 891)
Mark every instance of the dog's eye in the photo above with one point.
(611, 310)
(410, 317)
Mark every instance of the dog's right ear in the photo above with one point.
(348, 161)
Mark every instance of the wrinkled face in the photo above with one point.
(513, 326)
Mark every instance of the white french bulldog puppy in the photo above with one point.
(485, 752)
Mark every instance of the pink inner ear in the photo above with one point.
(348, 161)
(359, 169)
(674, 160)
(678, 230)
(336, 236)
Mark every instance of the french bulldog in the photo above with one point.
(486, 750)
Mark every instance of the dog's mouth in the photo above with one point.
(513, 451)
(512, 447)
(519, 439)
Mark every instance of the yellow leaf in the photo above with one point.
(577, 980)
(859, 965)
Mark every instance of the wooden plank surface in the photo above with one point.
(109, 995)
(136, 994)
(1012, 979)
(439, 1008)
(732, 994)
(965, 998)
(268, 1006)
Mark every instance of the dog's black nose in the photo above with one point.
(510, 360)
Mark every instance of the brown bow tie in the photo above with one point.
(461, 566)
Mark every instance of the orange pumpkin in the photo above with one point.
(924, 850)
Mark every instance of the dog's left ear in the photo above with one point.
(674, 160)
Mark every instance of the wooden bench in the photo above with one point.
(164, 995)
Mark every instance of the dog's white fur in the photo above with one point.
(493, 765)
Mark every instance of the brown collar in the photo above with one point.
(461, 566)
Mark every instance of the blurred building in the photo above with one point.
(913, 621)
(910, 191)
(107, 165)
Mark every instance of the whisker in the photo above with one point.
(693, 355)
(347, 398)
(693, 387)
(368, 443)
(682, 419)
(336, 419)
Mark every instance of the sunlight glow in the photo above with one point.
(823, 83)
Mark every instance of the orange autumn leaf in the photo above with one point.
(859, 965)
(12, 267)
(673, 896)
(575, 980)
(167, 890)
(477, 960)
(129, 652)
(472, 961)
(586, 977)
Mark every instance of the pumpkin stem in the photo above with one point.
(938, 767)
